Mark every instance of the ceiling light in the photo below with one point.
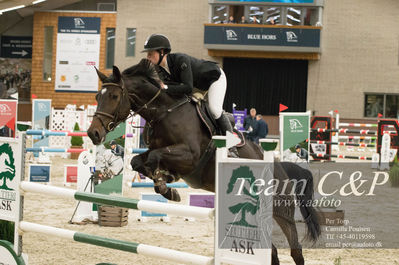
(37, 1)
(12, 8)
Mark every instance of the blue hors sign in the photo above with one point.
(16, 47)
(262, 38)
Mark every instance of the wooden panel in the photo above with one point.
(263, 54)
(261, 26)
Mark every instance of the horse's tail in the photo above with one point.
(305, 197)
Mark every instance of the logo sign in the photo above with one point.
(16, 47)
(231, 35)
(244, 212)
(295, 125)
(291, 36)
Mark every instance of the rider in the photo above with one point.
(182, 73)
(116, 149)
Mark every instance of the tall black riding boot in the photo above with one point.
(225, 125)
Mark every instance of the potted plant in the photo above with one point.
(76, 142)
(394, 173)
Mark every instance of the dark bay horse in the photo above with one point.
(178, 141)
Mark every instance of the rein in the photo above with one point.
(114, 118)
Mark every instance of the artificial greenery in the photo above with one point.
(394, 173)
(76, 140)
(7, 231)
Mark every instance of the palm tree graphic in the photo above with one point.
(7, 167)
(252, 205)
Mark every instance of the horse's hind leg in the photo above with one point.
(275, 260)
(287, 224)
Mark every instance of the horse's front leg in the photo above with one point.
(137, 164)
(176, 158)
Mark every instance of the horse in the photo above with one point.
(179, 142)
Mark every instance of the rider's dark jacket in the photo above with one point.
(187, 72)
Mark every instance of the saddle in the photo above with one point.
(202, 107)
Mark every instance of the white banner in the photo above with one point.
(78, 51)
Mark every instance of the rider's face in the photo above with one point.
(153, 56)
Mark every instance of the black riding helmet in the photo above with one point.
(157, 42)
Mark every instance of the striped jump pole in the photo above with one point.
(366, 125)
(346, 137)
(149, 206)
(342, 156)
(342, 143)
(137, 248)
(62, 133)
(55, 133)
(368, 132)
(151, 185)
(54, 150)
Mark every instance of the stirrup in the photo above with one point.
(233, 152)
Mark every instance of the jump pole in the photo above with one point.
(149, 206)
(137, 248)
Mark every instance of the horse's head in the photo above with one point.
(137, 89)
(113, 106)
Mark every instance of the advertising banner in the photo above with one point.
(39, 173)
(239, 116)
(78, 51)
(41, 114)
(244, 213)
(294, 129)
(10, 177)
(262, 38)
(8, 117)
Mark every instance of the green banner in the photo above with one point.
(295, 129)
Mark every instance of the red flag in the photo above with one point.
(283, 107)
(379, 115)
(34, 96)
(336, 111)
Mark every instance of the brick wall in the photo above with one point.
(360, 47)
(45, 89)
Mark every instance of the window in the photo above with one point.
(110, 48)
(219, 14)
(48, 54)
(294, 16)
(255, 15)
(392, 106)
(272, 15)
(130, 42)
(381, 105)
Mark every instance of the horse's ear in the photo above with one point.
(116, 73)
(102, 76)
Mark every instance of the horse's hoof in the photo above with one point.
(172, 195)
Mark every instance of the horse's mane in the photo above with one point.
(144, 68)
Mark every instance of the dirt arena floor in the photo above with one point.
(194, 237)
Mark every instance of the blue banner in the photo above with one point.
(79, 25)
(261, 36)
(39, 173)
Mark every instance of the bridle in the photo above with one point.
(115, 121)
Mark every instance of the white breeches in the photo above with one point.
(216, 94)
